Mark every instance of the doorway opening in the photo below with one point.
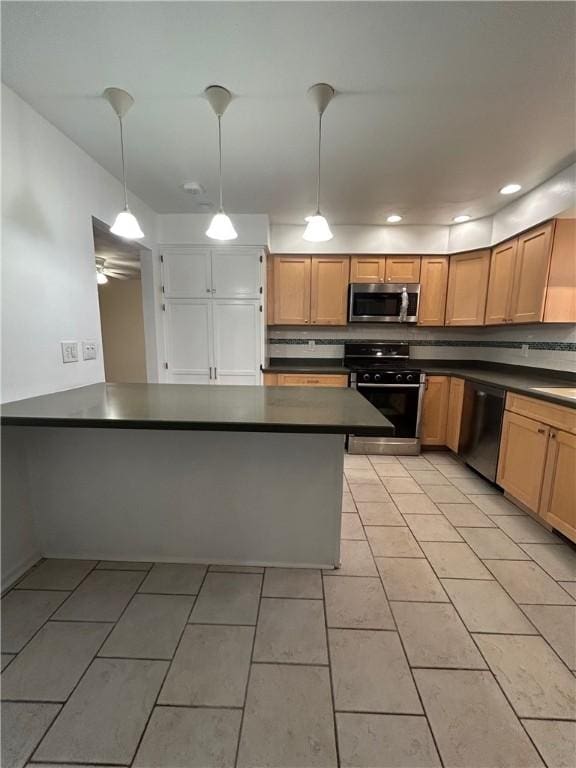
(118, 271)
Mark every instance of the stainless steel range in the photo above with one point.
(383, 374)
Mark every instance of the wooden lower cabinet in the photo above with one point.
(454, 416)
(306, 379)
(522, 460)
(537, 464)
(558, 502)
(435, 410)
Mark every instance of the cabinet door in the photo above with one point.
(561, 292)
(531, 275)
(454, 417)
(522, 458)
(502, 270)
(186, 273)
(402, 269)
(237, 341)
(558, 505)
(433, 289)
(329, 290)
(236, 273)
(187, 335)
(435, 410)
(467, 285)
(367, 269)
(292, 290)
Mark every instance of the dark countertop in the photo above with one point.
(515, 378)
(306, 365)
(522, 380)
(319, 410)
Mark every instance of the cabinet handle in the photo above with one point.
(215, 372)
(208, 290)
(541, 431)
(210, 369)
(553, 435)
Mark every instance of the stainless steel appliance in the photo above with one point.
(381, 372)
(383, 303)
(480, 450)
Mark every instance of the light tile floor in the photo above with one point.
(447, 638)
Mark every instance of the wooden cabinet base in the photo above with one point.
(306, 380)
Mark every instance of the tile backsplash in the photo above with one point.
(549, 346)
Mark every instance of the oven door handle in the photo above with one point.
(387, 386)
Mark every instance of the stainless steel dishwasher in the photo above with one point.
(480, 450)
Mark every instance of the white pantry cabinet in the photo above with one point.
(226, 273)
(213, 315)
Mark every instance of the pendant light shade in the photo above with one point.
(221, 227)
(126, 224)
(317, 229)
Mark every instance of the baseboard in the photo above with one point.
(17, 571)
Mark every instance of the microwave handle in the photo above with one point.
(403, 305)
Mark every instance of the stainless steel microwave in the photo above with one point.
(383, 303)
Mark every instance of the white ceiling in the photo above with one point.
(438, 104)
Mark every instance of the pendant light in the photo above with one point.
(126, 224)
(221, 228)
(317, 229)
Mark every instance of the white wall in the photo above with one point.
(551, 198)
(51, 189)
(190, 228)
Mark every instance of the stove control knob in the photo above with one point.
(366, 377)
(398, 377)
(377, 377)
(409, 377)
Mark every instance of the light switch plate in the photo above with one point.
(69, 351)
(89, 350)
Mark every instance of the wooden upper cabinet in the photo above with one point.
(531, 274)
(368, 269)
(561, 291)
(467, 286)
(433, 289)
(329, 290)
(522, 459)
(502, 271)
(435, 410)
(402, 269)
(558, 501)
(292, 290)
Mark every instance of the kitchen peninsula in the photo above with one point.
(165, 472)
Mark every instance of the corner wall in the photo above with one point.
(50, 190)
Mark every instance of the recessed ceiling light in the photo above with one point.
(509, 189)
(462, 218)
(394, 218)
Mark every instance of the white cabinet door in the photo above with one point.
(237, 341)
(186, 273)
(236, 273)
(188, 334)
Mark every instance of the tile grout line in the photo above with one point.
(330, 675)
(433, 735)
(251, 664)
(168, 667)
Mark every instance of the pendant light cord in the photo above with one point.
(319, 152)
(220, 159)
(123, 164)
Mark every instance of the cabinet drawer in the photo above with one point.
(548, 413)
(312, 380)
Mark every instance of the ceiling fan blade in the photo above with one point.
(116, 275)
(113, 263)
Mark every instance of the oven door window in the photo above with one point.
(376, 304)
(400, 406)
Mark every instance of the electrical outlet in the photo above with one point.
(524, 350)
(89, 350)
(69, 351)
